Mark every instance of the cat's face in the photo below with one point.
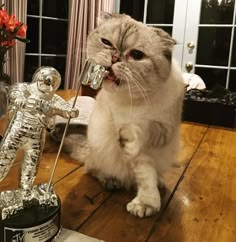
(137, 57)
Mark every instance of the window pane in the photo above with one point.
(165, 28)
(233, 60)
(217, 12)
(160, 11)
(33, 7)
(232, 81)
(134, 8)
(55, 8)
(32, 35)
(212, 76)
(213, 46)
(31, 64)
(54, 36)
(58, 63)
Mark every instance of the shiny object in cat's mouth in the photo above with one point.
(112, 77)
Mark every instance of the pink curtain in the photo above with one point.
(15, 57)
(83, 18)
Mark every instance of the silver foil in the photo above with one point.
(93, 74)
(31, 108)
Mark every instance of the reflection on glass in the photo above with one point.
(57, 62)
(55, 8)
(217, 12)
(33, 7)
(213, 45)
(160, 11)
(232, 81)
(31, 64)
(212, 76)
(134, 8)
(57, 42)
(32, 35)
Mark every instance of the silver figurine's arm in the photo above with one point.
(17, 97)
(62, 108)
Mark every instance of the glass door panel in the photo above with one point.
(232, 80)
(134, 8)
(217, 12)
(160, 12)
(214, 76)
(212, 33)
(213, 46)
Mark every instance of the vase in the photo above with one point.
(4, 82)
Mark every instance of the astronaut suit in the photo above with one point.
(31, 108)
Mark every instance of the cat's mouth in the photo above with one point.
(112, 77)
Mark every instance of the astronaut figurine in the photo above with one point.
(30, 110)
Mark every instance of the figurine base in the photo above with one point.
(34, 224)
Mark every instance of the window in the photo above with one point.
(47, 22)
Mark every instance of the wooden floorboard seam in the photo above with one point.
(94, 211)
(67, 174)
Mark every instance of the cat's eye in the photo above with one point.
(136, 54)
(106, 42)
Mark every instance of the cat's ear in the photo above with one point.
(103, 18)
(165, 36)
(167, 41)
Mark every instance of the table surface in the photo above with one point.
(199, 203)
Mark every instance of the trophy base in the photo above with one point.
(36, 223)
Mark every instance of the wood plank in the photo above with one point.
(204, 206)
(113, 223)
(80, 195)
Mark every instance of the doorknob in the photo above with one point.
(191, 45)
(189, 66)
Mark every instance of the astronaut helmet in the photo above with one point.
(48, 79)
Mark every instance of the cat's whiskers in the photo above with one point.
(140, 86)
(123, 77)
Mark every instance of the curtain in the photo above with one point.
(15, 57)
(83, 17)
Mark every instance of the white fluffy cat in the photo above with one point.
(133, 133)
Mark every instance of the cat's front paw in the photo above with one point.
(129, 141)
(140, 209)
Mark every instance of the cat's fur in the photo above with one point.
(133, 133)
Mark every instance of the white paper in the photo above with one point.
(67, 235)
(85, 105)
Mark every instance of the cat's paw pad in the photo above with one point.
(137, 208)
(111, 184)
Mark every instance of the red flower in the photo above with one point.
(3, 17)
(22, 31)
(12, 23)
(10, 30)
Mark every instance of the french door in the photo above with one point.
(205, 33)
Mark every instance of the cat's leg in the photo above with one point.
(110, 183)
(148, 201)
(134, 140)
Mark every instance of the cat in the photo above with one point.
(133, 132)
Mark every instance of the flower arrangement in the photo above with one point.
(11, 30)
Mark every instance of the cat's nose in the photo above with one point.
(115, 57)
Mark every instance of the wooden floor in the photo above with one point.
(199, 203)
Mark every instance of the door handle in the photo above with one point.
(189, 66)
(191, 45)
